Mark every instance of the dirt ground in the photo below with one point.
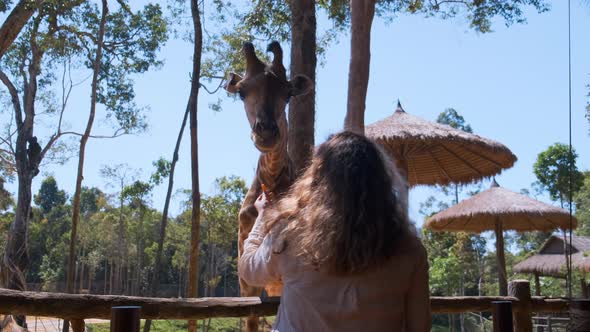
(50, 324)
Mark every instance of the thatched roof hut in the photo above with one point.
(550, 260)
(432, 153)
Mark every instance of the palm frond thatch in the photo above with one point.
(550, 260)
(437, 153)
(514, 211)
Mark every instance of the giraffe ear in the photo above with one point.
(300, 85)
(232, 82)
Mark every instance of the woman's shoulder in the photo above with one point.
(411, 245)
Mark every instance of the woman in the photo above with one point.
(342, 245)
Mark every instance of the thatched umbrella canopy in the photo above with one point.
(431, 153)
(550, 259)
(500, 209)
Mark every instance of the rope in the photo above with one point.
(570, 163)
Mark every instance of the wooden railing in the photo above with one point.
(79, 307)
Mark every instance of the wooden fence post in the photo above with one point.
(125, 319)
(521, 289)
(78, 325)
(502, 316)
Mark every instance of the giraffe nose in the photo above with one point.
(265, 129)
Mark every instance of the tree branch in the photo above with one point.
(77, 32)
(14, 98)
(49, 144)
(9, 144)
(65, 95)
(116, 134)
(14, 23)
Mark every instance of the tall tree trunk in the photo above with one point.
(106, 268)
(76, 208)
(303, 61)
(16, 258)
(196, 195)
(90, 277)
(14, 23)
(141, 248)
(81, 278)
(164, 222)
(362, 13)
(111, 278)
(180, 283)
(121, 250)
(461, 315)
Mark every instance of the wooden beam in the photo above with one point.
(78, 306)
(73, 306)
(458, 304)
(542, 304)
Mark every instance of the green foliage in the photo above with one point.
(162, 171)
(6, 218)
(455, 262)
(255, 21)
(479, 13)
(91, 200)
(4, 5)
(219, 238)
(529, 242)
(582, 200)
(7, 165)
(214, 325)
(65, 33)
(132, 41)
(552, 170)
(6, 200)
(137, 193)
(49, 195)
(52, 267)
(452, 118)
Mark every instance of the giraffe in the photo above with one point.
(265, 91)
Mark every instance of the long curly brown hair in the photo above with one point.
(346, 213)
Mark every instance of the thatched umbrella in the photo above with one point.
(431, 153)
(500, 209)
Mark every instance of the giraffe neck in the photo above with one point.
(275, 164)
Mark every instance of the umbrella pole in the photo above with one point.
(502, 280)
(568, 266)
(403, 172)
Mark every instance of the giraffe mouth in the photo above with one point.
(264, 144)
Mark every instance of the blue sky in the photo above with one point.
(510, 85)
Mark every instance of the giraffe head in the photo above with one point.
(265, 91)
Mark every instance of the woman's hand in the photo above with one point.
(261, 203)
